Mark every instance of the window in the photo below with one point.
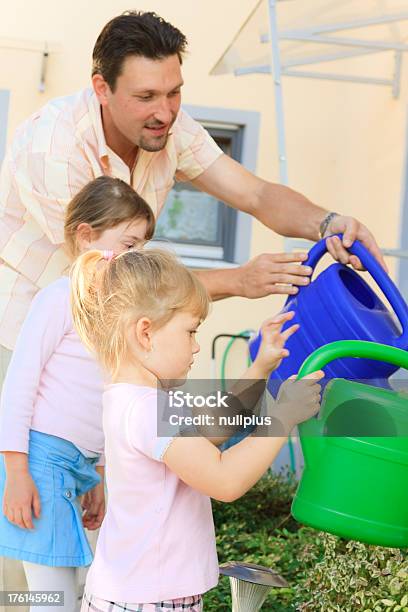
(202, 230)
(194, 218)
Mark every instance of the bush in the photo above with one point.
(258, 528)
(325, 573)
(354, 576)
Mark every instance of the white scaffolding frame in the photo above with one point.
(322, 34)
(350, 47)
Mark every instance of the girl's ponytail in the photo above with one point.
(87, 313)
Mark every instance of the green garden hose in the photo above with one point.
(243, 334)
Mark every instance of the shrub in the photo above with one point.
(258, 528)
(325, 573)
(354, 576)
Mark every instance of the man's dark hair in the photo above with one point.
(134, 33)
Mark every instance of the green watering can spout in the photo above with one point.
(354, 483)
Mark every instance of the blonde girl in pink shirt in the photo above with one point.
(139, 312)
(51, 436)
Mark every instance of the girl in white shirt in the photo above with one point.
(140, 312)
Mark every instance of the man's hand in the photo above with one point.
(93, 504)
(21, 499)
(273, 273)
(352, 230)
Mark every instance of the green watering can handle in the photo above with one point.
(353, 348)
(336, 350)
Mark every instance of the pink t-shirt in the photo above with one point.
(157, 540)
(53, 384)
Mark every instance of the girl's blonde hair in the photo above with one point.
(106, 295)
(104, 203)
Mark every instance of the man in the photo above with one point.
(130, 125)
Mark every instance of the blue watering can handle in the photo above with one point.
(382, 279)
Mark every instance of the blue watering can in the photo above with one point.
(340, 305)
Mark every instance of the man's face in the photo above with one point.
(146, 100)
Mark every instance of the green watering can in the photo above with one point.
(355, 479)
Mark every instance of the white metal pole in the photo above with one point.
(277, 80)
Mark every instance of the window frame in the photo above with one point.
(402, 268)
(4, 109)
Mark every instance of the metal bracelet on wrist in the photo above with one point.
(325, 223)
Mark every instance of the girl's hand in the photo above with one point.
(93, 504)
(298, 400)
(272, 351)
(21, 500)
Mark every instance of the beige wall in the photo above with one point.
(345, 141)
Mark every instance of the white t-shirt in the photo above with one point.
(157, 540)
